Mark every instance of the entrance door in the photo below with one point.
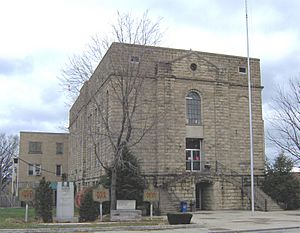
(199, 196)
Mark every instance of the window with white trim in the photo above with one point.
(34, 169)
(242, 70)
(193, 108)
(193, 154)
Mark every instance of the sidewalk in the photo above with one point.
(222, 221)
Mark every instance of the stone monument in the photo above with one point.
(65, 202)
(126, 211)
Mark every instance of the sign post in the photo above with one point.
(151, 195)
(100, 194)
(26, 195)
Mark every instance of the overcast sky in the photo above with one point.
(38, 36)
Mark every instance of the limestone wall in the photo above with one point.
(167, 79)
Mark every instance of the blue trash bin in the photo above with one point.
(183, 206)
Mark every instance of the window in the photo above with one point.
(58, 170)
(34, 169)
(59, 148)
(193, 104)
(193, 67)
(242, 70)
(30, 169)
(35, 148)
(134, 59)
(193, 154)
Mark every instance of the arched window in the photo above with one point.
(193, 107)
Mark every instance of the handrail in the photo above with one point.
(232, 176)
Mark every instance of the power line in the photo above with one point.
(42, 169)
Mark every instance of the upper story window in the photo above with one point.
(59, 148)
(134, 59)
(35, 148)
(242, 70)
(193, 107)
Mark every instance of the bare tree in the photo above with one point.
(127, 29)
(8, 150)
(126, 87)
(127, 92)
(285, 121)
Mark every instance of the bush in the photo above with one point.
(281, 184)
(89, 210)
(43, 204)
(179, 218)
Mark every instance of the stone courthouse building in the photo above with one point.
(190, 128)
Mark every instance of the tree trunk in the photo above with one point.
(113, 194)
(1, 181)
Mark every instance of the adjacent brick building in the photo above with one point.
(197, 148)
(42, 155)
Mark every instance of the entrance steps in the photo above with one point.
(262, 200)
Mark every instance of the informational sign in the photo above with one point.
(26, 194)
(100, 194)
(151, 195)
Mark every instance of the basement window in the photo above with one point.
(242, 70)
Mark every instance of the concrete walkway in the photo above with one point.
(224, 221)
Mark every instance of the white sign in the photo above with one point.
(126, 204)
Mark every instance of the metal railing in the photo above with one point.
(261, 199)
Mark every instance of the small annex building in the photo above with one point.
(42, 154)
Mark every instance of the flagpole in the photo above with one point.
(250, 115)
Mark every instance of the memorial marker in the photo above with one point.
(26, 195)
(100, 194)
(65, 202)
(151, 195)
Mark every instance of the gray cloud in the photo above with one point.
(212, 15)
(11, 66)
(34, 118)
(277, 73)
(47, 113)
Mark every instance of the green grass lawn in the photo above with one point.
(14, 218)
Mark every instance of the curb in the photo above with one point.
(101, 229)
(256, 230)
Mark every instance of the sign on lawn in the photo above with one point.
(26, 194)
(151, 194)
(100, 194)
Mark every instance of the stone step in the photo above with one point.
(125, 215)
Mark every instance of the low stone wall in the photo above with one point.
(125, 215)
